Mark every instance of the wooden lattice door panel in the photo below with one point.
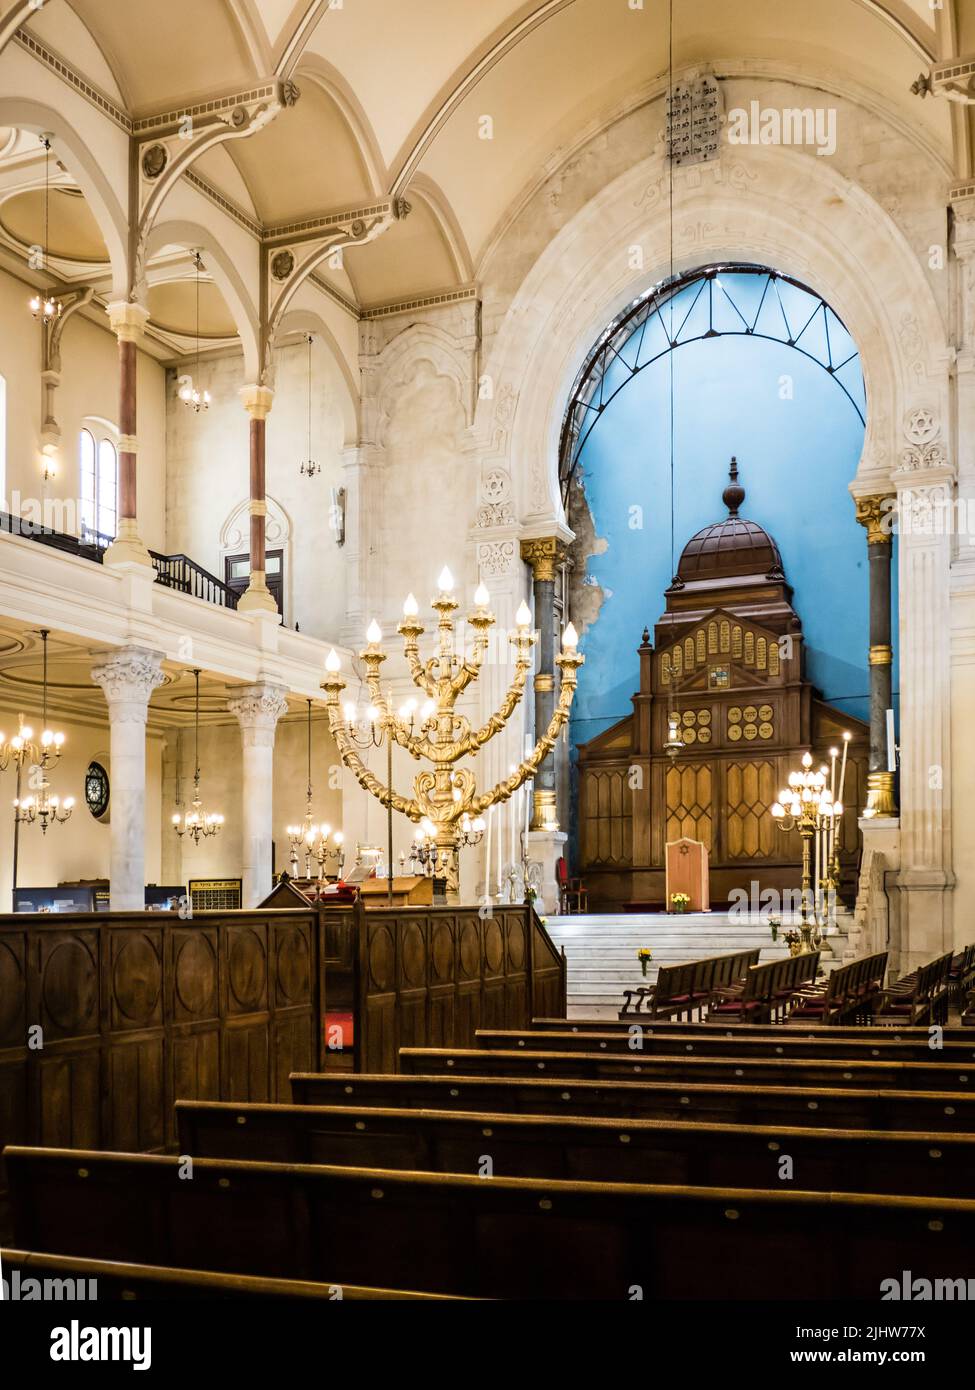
(750, 831)
(607, 817)
(689, 794)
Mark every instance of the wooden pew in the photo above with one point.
(848, 994)
(921, 997)
(817, 1107)
(961, 976)
(582, 1148)
(731, 1071)
(715, 1043)
(514, 1238)
(766, 989)
(137, 1282)
(665, 1027)
(685, 989)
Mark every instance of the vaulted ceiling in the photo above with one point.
(394, 94)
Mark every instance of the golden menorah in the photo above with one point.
(445, 794)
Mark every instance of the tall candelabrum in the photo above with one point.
(812, 807)
(446, 794)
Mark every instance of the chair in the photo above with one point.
(571, 890)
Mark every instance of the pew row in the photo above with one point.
(107, 1280)
(668, 1028)
(683, 990)
(675, 1100)
(737, 1070)
(584, 1149)
(637, 1038)
(513, 1238)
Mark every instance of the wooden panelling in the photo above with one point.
(106, 1019)
(431, 977)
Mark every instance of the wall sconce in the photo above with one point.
(336, 515)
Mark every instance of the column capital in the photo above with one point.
(544, 554)
(128, 320)
(128, 677)
(258, 709)
(876, 511)
(257, 400)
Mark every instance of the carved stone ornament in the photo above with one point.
(282, 264)
(154, 161)
(925, 511)
(239, 117)
(358, 228)
(924, 449)
(495, 485)
(128, 678)
(290, 92)
(921, 426)
(258, 709)
(876, 514)
(495, 514)
(401, 209)
(495, 559)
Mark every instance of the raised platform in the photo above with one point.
(601, 949)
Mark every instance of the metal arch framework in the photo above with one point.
(591, 395)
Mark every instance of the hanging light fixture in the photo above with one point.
(196, 822)
(41, 807)
(309, 467)
(190, 394)
(318, 842)
(46, 306)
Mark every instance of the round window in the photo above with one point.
(96, 790)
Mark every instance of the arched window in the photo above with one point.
(98, 458)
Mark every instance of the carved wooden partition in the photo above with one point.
(106, 1019)
(431, 977)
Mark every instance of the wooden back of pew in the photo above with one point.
(927, 998)
(769, 983)
(784, 1042)
(680, 988)
(732, 1071)
(107, 1280)
(853, 1108)
(663, 1027)
(581, 1148)
(518, 1238)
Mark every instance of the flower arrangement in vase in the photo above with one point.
(793, 940)
(644, 956)
(679, 902)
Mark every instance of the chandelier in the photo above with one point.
(196, 822)
(436, 733)
(189, 394)
(46, 306)
(309, 467)
(42, 807)
(314, 838)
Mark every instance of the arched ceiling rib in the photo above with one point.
(392, 92)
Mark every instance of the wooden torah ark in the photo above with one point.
(728, 651)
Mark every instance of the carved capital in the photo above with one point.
(258, 709)
(544, 554)
(257, 400)
(128, 678)
(876, 513)
(128, 320)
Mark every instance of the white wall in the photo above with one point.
(208, 462)
(81, 847)
(89, 386)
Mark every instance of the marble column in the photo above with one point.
(128, 677)
(128, 321)
(875, 513)
(545, 555)
(925, 490)
(257, 598)
(258, 709)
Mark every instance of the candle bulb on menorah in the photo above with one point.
(445, 794)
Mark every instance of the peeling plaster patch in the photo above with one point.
(586, 594)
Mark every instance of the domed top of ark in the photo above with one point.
(734, 546)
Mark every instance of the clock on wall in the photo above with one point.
(97, 790)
